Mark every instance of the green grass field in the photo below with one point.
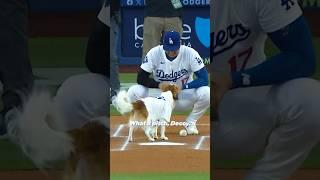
(69, 52)
(57, 52)
(11, 158)
(313, 161)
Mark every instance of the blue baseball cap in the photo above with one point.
(171, 41)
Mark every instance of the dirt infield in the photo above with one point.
(185, 154)
(191, 154)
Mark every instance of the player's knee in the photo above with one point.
(84, 86)
(136, 92)
(203, 95)
(82, 97)
(310, 115)
(309, 122)
(302, 101)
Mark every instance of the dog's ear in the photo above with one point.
(91, 144)
(175, 90)
(90, 137)
(164, 86)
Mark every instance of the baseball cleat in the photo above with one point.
(192, 129)
(164, 138)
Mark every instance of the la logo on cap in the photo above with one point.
(170, 41)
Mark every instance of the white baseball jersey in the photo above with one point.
(239, 29)
(179, 71)
(159, 108)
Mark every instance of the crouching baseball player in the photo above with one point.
(172, 62)
(268, 105)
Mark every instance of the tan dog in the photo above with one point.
(89, 158)
(84, 150)
(149, 113)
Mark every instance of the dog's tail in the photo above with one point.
(32, 130)
(122, 103)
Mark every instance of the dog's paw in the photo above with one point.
(164, 138)
(130, 139)
(156, 137)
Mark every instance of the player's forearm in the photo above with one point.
(144, 79)
(296, 58)
(150, 83)
(196, 84)
(202, 80)
(277, 69)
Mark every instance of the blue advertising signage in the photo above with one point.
(196, 32)
(185, 3)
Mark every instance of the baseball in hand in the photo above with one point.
(183, 132)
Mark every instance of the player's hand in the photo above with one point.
(162, 84)
(221, 83)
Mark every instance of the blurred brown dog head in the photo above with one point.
(89, 160)
(175, 90)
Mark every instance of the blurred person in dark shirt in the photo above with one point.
(16, 78)
(115, 21)
(160, 16)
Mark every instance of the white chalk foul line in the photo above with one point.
(202, 138)
(116, 133)
(121, 126)
(118, 150)
(124, 146)
(121, 136)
